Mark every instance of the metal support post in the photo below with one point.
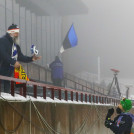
(59, 94)
(71, 95)
(44, 92)
(66, 96)
(24, 89)
(76, 96)
(35, 91)
(52, 93)
(81, 97)
(12, 88)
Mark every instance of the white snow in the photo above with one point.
(19, 98)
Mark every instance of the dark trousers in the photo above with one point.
(57, 82)
(5, 85)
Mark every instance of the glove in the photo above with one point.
(108, 123)
(110, 113)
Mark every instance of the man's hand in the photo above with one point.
(17, 64)
(36, 57)
(108, 123)
(110, 111)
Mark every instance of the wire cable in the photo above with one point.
(23, 115)
(44, 121)
(17, 127)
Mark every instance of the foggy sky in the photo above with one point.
(106, 31)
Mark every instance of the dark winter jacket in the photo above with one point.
(122, 124)
(56, 69)
(6, 43)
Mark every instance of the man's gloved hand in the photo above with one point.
(110, 111)
(108, 123)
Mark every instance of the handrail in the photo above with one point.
(92, 98)
(66, 75)
(86, 87)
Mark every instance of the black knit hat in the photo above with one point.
(13, 28)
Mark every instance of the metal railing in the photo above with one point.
(70, 81)
(60, 92)
(84, 87)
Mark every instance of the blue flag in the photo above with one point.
(70, 40)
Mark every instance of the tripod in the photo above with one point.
(116, 82)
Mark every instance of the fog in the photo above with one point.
(106, 31)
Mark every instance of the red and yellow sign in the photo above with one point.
(19, 73)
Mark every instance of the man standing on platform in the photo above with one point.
(56, 71)
(10, 54)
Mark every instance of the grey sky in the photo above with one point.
(106, 31)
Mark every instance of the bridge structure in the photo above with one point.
(73, 103)
(70, 111)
